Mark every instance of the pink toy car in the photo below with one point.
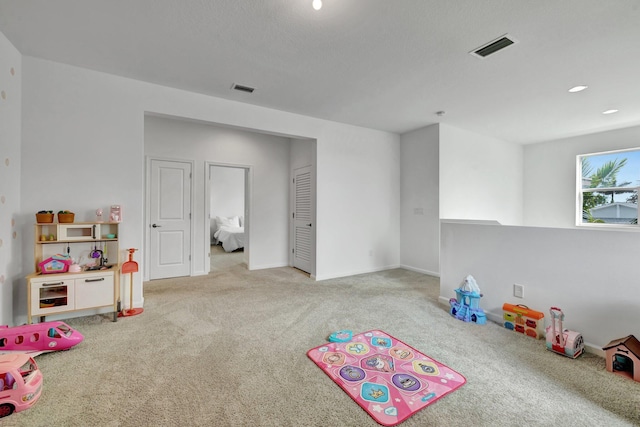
(38, 338)
(20, 383)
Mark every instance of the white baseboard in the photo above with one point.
(355, 273)
(198, 273)
(266, 266)
(420, 270)
(444, 300)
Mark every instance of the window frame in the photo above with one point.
(580, 192)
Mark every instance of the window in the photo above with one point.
(608, 185)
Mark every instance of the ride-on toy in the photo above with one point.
(20, 383)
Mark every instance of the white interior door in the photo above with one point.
(302, 219)
(170, 219)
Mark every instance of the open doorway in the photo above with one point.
(228, 213)
(268, 160)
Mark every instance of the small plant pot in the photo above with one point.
(44, 218)
(65, 217)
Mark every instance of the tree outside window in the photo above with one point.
(608, 193)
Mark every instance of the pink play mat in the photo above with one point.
(386, 377)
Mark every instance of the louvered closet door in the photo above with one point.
(302, 215)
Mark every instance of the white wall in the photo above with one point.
(10, 159)
(550, 174)
(227, 191)
(268, 158)
(302, 153)
(592, 275)
(358, 204)
(83, 135)
(480, 177)
(420, 207)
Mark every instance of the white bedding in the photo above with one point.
(232, 238)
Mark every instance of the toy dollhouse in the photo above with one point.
(623, 357)
(466, 305)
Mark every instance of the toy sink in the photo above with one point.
(98, 267)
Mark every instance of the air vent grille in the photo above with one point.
(243, 88)
(493, 46)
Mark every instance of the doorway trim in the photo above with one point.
(248, 197)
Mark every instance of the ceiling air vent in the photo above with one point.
(493, 46)
(243, 88)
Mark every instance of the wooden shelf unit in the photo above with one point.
(49, 294)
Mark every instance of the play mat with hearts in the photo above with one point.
(386, 377)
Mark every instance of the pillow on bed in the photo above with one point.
(229, 222)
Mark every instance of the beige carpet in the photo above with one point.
(221, 260)
(229, 349)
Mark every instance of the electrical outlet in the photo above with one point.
(518, 290)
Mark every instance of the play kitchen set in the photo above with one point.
(77, 265)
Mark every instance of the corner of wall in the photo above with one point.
(11, 224)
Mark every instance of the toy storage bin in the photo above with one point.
(522, 319)
(44, 218)
(66, 217)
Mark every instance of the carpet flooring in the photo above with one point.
(229, 349)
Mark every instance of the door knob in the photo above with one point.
(155, 225)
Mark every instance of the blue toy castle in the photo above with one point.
(466, 305)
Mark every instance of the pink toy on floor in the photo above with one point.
(389, 379)
(623, 357)
(20, 383)
(563, 341)
(38, 338)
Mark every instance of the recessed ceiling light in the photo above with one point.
(609, 111)
(578, 88)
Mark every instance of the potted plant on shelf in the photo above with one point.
(43, 217)
(65, 216)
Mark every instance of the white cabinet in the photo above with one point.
(50, 295)
(69, 292)
(95, 288)
(78, 232)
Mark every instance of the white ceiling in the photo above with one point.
(382, 64)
